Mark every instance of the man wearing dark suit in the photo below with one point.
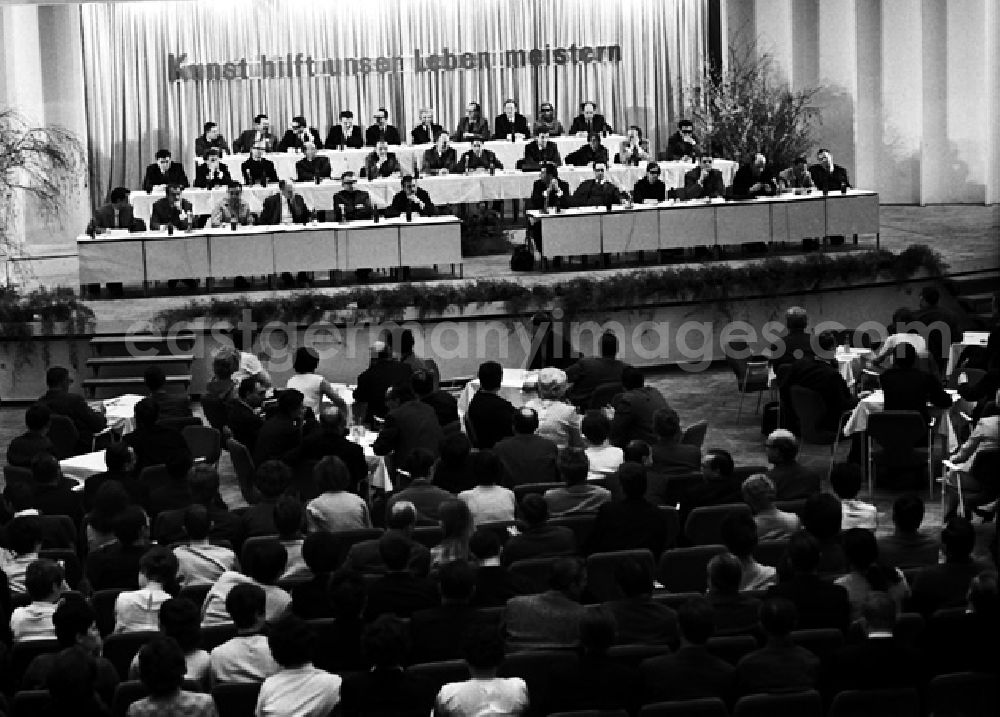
(297, 136)
(549, 620)
(172, 405)
(539, 152)
(51, 494)
(438, 633)
(312, 167)
(477, 158)
(717, 487)
(381, 131)
(511, 123)
(631, 523)
(796, 341)
(908, 546)
(820, 603)
(907, 388)
(354, 203)
(735, 613)
(692, 672)
(444, 405)
(243, 413)
(364, 558)
(285, 207)
(61, 402)
(410, 424)
(260, 134)
(473, 126)
(281, 434)
(171, 211)
(634, 409)
(330, 439)
(791, 479)
(780, 665)
(202, 490)
(538, 539)
(441, 158)
(526, 456)
(211, 138)
(153, 444)
(412, 198)
(383, 373)
(827, 176)
(946, 585)
(683, 142)
(490, 415)
(703, 181)
(668, 454)
(650, 188)
(381, 162)
(164, 172)
(818, 373)
(257, 169)
(212, 172)
(117, 214)
(549, 189)
(597, 192)
(590, 153)
(588, 373)
(589, 121)
(398, 591)
(427, 131)
(754, 180)
(35, 441)
(639, 620)
(346, 134)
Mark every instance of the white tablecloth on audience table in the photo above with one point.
(969, 338)
(850, 361)
(517, 386)
(944, 426)
(120, 412)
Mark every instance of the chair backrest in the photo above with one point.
(23, 652)
(704, 524)
(348, 538)
(214, 635)
(538, 668)
(195, 593)
(694, 435)
(799, 704)
(249, 544)
(731, 648)
(708, 707)
(582, 525)
(876, 703)
(121, 647)
(215, 410)
(908, 628)
(236, 699)
(633, 655)
(428, 535)
(770, 552)
(437, 674)
(104, 605)
(243, 465)
(756, 376)
(811, 408)
(533, 572)
(674, 600)
(822, 642)
(70, 561)
(525, 488)
(16, 474)
(153, 474)
(601, 583)
(64, 436)
(203, 442)
(963, 693)
(304, 480)
(986, 468)
(179, 423)
(30, 703)
(896, 432)
(604, 394)
(673, 520)
(683, 569)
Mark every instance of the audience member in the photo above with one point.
(780, 665)
(162, 667)
(494, 584)
(398, 591)
(867, 575)
(456, 531)
(577, 495)
(179, 619)
(138, 610)
(335, 508)
(55, 530)
(589, 373)
(669, 455)
(717, 485)
(312, 385)
(444, 404)
(298, 688)
(172, 491)
(490, 415)
(52, 494)
(437, 632)
(557, 419)
(199, 561)
(908, 388)
(409, 425)
(61, 402)
(549, 620)
(281, 434)
(908, 546)
(365, 557)
(321, 552)
(739, 535)
(172, 405)
(117, 564)
(247, 656)
(539, 539)
(772, 524)
(35, 441)
(634, 409)
(24, 540)
(791, 479)
(203, 484)
(735, 612)
(526, 456)
(795, 342)
(703, 181)
(72, 687)
(638, 618)
(483, 651)
(152, 443)
(264, 564)
(453, 469)
(604, 458)
(818, 372)
(426, 497)
(44, 583)
(845, 479)
(821, 517)
(120, 463)
(243, 417)
(632, 522)
(946, 585)
(348, 596)
(819, 603)
(683, 144)
(271, 480)
(488, 501)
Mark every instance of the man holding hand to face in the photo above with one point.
(418, 201)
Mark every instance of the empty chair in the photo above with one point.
(694, 435)
(581, 525)
(683, 569)
(752, 375)
(64, 436)
(876, 703)
(704, 524)
(799, 704)
(243, 465)
(731, 648)
(437, 674)
(963, 694)
(104, 606)
(822, 642)
(708, 707)
(770, 552)
(533, 572)
(120, 648)
(205, 443)
(601, 581)
(236, 699)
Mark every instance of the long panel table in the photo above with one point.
(673, 224)
(254, 251)
(447, 189)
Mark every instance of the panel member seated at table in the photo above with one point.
(589, 153)
(682, 146)
(313, 166)
(548, 190)
(381, 131)
(116, 214)
(299, 133)
(598, 191)
(428, 130)
(211, 138)
(754, 179)
(354, 203)
(539, 152)
(703, 181)
(61, 402)
(233, 208)
(546, 121)
(473, 125)
(413, 196)
(479, 159)
(589, 122)
(258, 169)
(171, 210)
(346, 134)
(511, 124)
(212, 173)
(634, 150)
(381, 162)
(827, 176)
(164, 171)
(442, 157)
(285, 207)
(650, 189)
(797, 176)
(260, 134)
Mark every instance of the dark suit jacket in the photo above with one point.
(375, 380)
(471, 129)
(203, 181)
(589, 373)
(365, 558)
(202, 145)
(388, 168)
(874, 664)
(58, 499)
(445, 406)
(172, 405)
(778, 668)
(597, 124)
(491, 416)
(438, 633)
(164, 213)
(401, 200)
(942, 586)
(244, 423)
(74, 406)
(586, 155)
(400, 593)
(335, 138)
(307, 171)
(937, 344)
(911, 390)
(278, 438)
(104, 217)
(356, 204)
(385, 692)
(527, 458)
(794, 480)
(294, 141)
(390, 134)
(322, 443)
(271, 213)
(899, 550)
(25, 447)
(255, 172)
(677, 147)
(824, 379)
(639, 620)
(735, 614)
(827, 180)
(745, 179)
(175, 174)
(422, 135)
(644, 189)
(791, 347)
(258, 519)
(540, 189)
(690, 673)
(634, 411)
(712, 186)
(410, 426)
(675, 458)
(115, 566)
(534, 156)
(246, 141)
(503, 127)
(592, 194)
(627, 525)
(541, 541)
(225, 525)
(153, 446)
(434, 162)
(820, 603)
(472, 162)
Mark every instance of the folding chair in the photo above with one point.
(601, 581)
(204, 443)
(799, 704)
(683, 569)
(752, 374)
(533, 572)
(121, 647)
(876, 703)
(243, 464)
(811, 409)
(704, 524)
(897, 435)
(708, 707)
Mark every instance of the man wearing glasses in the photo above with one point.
(473, 126)
(381, 130)
(539, 152)
(354, 203)
(599, 191)
(296, 137)
(547, 122)
(703, 181)
(682, 145)
(650, 189)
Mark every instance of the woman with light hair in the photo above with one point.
(772, 524)
(557, 419)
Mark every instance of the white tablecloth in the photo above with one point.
(849, 362)
(517, 386)
(944, 426)
(969, 338)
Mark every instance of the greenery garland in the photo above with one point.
(42, 308)
(579, 296)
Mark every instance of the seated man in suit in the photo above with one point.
(908, 546)
(669, 455)
(172, 210)
(639, 619)
(754, 180)
(907, 388)
(381, 162)
(634, 150)
(346, 134)
(61, 402)
(473, 126)
(312, 167)
(410, 198)
(511, 124)
(384, 372)
(703, 181)
(683, 144)
(547, 191)
(381, 131)
(152, 443)
(399, 591)
(589, 122)
(164, 172)
(599, 191)
(797, 176)
(212, 172)
(780, 665)
(490, 415)
(549, 620)
(243, 413)
(539, 152)
(116, 214)
(232, 209)
(590, 372)
(172, 405)
(354, 203)
(437, 632)
(547, 122)
(479, 159)
(650, 189)
(791, 479)
(634, 408)
(590, 153)
(211, 138)
(526, 456)
(827, 176)
(947, 585)
(820, 603)
(23, 449)
(795, 342)
(260, 134)
(428, 130)
(819, 373)
(285, 207)
(441, 158)
(257, 169)
(281, 434)
(299, 133)
(631, 523)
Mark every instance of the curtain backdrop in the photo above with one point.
(133, 108)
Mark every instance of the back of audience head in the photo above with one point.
(717, 463)
(725, 573)
(484, 545)
(758, 492)
(595, 427)
(57, 377)
(634, 578)
(159, 565)
(457, 582)
(402, 516)
(739, 534)
(568, 575)
(265, 561)
(827, 343)
(331, 475)
(905, 356)
(958, 538)
(292, 641)
(633, 480)
(453, 450)
(70, 681)
(632, 378)
(482, 649)
(455, 519)
(203, 482)
(385, 642)
(419, 464)
(272, 478)
(197, 524)
(845, 478)
(289, 517)
(394, 551)
(422, 382)
(43, 580)
(597, 632)
(147, 413)
(75, 623)
(782, 446)
(290, 402)
(162, 666)
(667, 424)
(399, 394)
(609, 345)
(490, 375)
(131, 525)
(348, 595)
(154, 378)
(803, 552)
(778, 617)
(248, 387)
(534, 509)
(334, 420)
(636, 451)
(525, 421)
(822, 515)
(306, 360)
(109, 501)
(878, 612)
(45, 469)
(246, 604)
(181, 619)
(573, 466)
(37, 417)
(24, 535)
(696, 620)
(117, 457)
(908, 512)
(320, 552)
(487, 468)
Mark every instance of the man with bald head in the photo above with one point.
(330, 439)
(754, 180)
(795, 342)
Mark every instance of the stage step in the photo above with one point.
(139, 360)
(91, 384)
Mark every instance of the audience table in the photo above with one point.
(119, 412)
(944, 427)
(850, 363)
(969, 338)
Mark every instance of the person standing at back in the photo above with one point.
(490, 415)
